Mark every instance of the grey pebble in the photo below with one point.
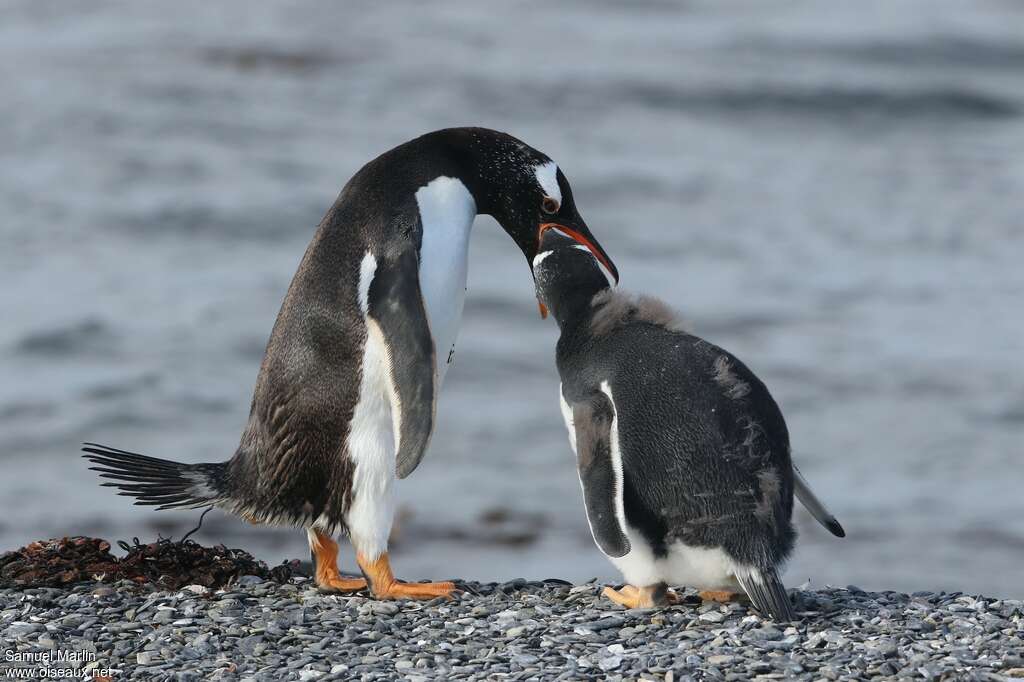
(603, 624)
(22, 629)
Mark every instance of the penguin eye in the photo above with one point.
(550, 205)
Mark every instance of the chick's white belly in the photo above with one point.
(698, 567)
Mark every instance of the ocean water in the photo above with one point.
(833, 192)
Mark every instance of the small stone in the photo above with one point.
(767, 633)
(712, 617)
(603, 624)
(513, 585)
(21, 629)
(883, 647)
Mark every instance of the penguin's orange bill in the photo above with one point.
(597, 252)
(586, 243)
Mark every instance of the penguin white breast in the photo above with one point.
(447, 210)
(370, 441)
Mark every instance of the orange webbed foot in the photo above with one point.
(720, 596)
(399, 590)
(633, 597)
(340, 585)
(384, 586)
(325, 557)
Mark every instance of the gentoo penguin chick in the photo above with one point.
(347, 392)
(683, 455)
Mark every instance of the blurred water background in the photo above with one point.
(830, 190)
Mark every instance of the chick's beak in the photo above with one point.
(582, 235)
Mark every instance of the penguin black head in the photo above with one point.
(567, 275)
(524, 191)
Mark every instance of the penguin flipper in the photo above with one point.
(600, 468)
(395, 303)
(817, 508)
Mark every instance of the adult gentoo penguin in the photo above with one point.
(682, 453)
(346, 394)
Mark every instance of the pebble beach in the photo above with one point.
(256, 629)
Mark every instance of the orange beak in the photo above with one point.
(583, 240)
(543, 309)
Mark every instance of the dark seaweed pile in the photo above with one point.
(163, 564)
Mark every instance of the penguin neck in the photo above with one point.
(574, 308)
(483, 160)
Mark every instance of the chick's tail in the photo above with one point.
(767, 592)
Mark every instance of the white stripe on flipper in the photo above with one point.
(616, 453)
(547, 178)
(367, 269)
(570, 424)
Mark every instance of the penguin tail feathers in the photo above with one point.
(158, 482)
(767, 592)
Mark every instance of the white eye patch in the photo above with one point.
(547, 178)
